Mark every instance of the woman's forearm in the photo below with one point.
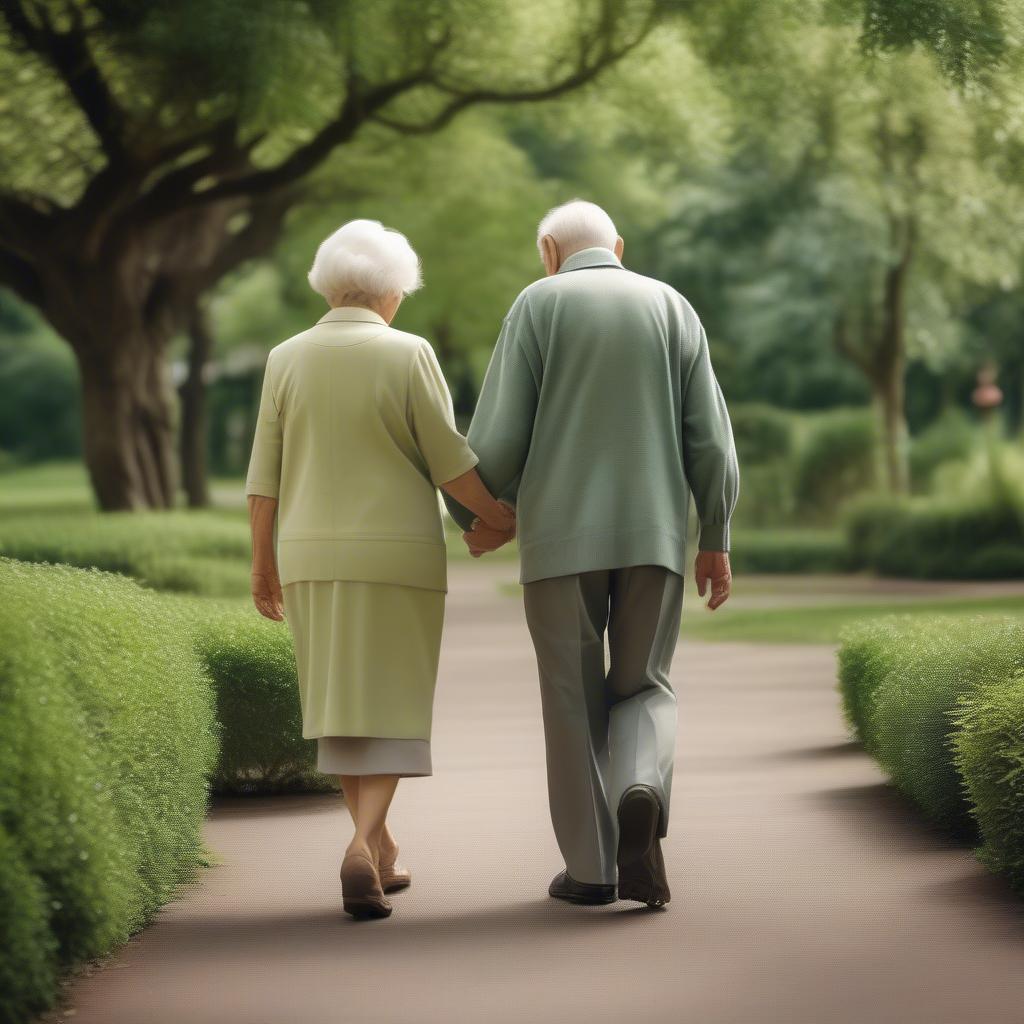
(470, 491)
(262, 512)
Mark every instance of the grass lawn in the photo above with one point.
(822, 623)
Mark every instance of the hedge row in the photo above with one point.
(976, 538)
(113, 698)
(108, 741)
(184, 551)
(939, 703)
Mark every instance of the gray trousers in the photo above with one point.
(604, 730)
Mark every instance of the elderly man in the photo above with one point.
(599, 416)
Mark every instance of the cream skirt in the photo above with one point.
(366, 655)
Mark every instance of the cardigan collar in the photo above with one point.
(595, 256)
(352, 314)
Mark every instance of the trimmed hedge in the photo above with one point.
(940, 704)
(251, 663)
(982, 538)
(185, 551)
(108, 738)
(989, 750)
(786, 551)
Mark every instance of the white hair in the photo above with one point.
(577, 225)
(364, 261)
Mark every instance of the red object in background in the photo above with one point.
(988, 394)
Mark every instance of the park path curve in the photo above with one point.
(805, 891)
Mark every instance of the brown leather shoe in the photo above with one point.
(393, 877)
(361, 890)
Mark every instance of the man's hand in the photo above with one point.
(484, 537)
(266, 595)
(713, 566)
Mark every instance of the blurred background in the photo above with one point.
(836, 186)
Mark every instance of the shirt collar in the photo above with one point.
(595, 256)
(352, 314)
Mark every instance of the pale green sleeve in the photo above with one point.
(445, 451)
(502, 426)
(709, 453)
(264, 475)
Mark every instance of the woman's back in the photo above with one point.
(356, 425)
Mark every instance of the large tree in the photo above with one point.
(152, 148)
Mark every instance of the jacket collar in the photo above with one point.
(352, 314)
(595, 256)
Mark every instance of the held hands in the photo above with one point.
(713, 566)
(266, 594)
(489, 535)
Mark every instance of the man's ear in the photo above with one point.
(550, 250)
(618, 248)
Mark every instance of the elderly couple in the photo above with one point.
(598, 417)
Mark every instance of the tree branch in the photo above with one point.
(68, 54)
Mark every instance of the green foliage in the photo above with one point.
(39, 417)
(905, 684)
(836, 461)
(989, 749)
(785, 551)
(198, 552)
(978, 537)
(867, 653)
(763, 433)
(251, 663)
(951, 437)
(108, 737)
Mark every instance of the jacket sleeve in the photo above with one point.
(502, 425)
(444, 449)
(709, 453)
(264, 475)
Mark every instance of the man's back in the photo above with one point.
(599, 413)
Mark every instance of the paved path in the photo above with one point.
(805, 892)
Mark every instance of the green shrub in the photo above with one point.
(106, 743)
(867, 652)
(836, 461)
(785, 551)
(251, 663)
(989, 748)
(977, 538)
(763, 434)
(198, 552)
(908, 678)
(952, 437)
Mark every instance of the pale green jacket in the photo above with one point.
(355, 432)
(599, 415)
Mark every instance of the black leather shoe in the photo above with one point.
(641, 865)
(565, 887)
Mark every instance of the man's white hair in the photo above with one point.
(577, 225)
(364, 261)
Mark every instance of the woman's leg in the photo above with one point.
(375, 793)
(388, 844)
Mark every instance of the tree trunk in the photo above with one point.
(128, 425)
(194, 418)
(890, 400)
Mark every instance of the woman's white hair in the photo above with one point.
(364, 261)
(577, 225)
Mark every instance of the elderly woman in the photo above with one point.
(355, 433)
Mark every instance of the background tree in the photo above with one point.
(153, 148)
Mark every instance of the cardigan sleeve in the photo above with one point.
(264, 475)
(502, 425)
(709, 453)
(444, 450)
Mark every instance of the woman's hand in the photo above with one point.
(501, 518)
(266, 594)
